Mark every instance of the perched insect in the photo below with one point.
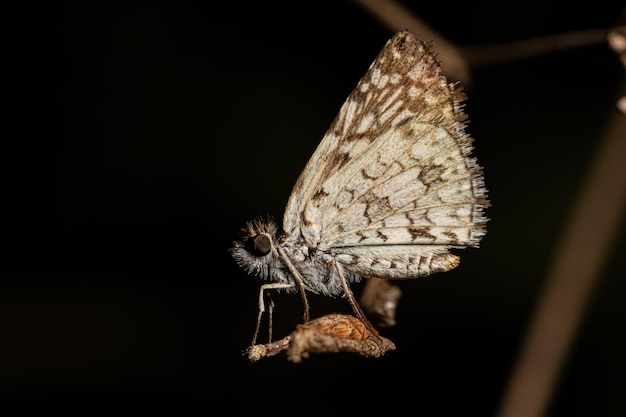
(389, 191)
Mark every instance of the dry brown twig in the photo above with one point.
(332, 333)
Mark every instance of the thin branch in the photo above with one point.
(333, 333)
(511, 51)
(576, 267)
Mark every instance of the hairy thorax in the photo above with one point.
(318, 270)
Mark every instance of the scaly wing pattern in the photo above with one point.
(392, 186)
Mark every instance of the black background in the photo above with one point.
(139, 137)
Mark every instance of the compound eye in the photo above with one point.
(259, 245)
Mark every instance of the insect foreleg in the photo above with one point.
(265, 287)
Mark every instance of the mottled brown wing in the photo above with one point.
(393, 176)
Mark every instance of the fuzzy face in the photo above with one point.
(256, 251)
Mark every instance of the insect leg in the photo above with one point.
(355, 305)
(298, 278)
(265, 287)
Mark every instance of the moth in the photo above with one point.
(390, 190)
